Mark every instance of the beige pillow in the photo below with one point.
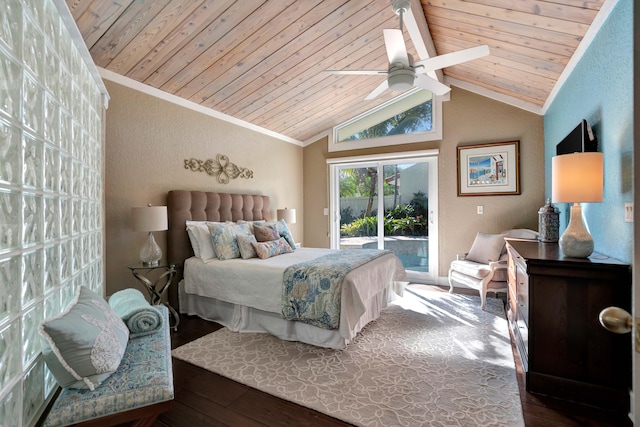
(486, 248)
(265, 233)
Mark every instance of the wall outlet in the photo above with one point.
(628, 212)
(480, 210)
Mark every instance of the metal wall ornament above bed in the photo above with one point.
(221, 168)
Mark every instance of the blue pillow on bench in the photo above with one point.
(85, 344)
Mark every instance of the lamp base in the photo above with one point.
(576, 242)
(150, 253)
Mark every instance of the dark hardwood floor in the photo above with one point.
(206, 399)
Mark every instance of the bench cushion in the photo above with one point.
(143, 378)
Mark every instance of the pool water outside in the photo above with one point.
(413, 251)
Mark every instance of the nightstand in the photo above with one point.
(157, 286)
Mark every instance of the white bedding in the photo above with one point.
(256, 284)
(252, 282)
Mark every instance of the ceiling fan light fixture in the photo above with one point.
(400, 6)
(400, 80)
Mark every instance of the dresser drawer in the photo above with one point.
(520, 332)
(522, 294)
(518, 285)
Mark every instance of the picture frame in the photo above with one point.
(491, 169)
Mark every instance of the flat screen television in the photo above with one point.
(579, 140)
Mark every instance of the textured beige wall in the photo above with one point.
(147, 140)
(467, 119)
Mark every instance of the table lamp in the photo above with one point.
(576, 178)
(150, 219)
(289, 215)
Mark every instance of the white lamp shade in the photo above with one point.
(149, 218)
(289, 215)
(577, 177)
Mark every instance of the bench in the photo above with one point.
(139, 390)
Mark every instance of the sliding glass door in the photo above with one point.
(388, 203)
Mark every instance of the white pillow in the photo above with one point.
(200, 238)
(486, 248)
(522, 233)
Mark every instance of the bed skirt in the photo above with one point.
(239, 318)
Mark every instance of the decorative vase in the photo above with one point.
(576, 242)
(548, 223)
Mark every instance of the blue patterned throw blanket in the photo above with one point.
(311, 291)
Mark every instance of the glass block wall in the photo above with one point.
(51, 131)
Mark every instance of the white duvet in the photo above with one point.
(252, 282)
(257, 283)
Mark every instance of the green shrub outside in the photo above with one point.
(403, 220)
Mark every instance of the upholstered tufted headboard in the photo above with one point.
(183, 205)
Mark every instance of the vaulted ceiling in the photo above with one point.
(262, 61)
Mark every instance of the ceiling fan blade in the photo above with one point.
(396, 49)
(453, 58)
(432, 85)
(378, 90)
(352, 72)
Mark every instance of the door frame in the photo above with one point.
(634, 414)
(388, 158)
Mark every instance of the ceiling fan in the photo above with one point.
(403, 73)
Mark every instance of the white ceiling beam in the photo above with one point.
(166, 96)
(496, 96)
(418, 29)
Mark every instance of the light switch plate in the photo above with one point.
(628, 212)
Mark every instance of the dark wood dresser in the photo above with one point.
(554, 303)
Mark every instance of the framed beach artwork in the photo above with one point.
(489, 169)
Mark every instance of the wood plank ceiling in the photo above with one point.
(261, 61)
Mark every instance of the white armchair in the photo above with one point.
(484, 267)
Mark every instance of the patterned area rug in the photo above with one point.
(431, 359)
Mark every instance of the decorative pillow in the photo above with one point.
(486, 248)
(225, 242)
(85, 344)
(283, 231)
(245, 245)
(272, 248)
(200, 238)
(265, 233)
(250, 224)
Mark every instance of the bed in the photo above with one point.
(246, 295)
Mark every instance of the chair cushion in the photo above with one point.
(486, 247)
(470, 268)
(480, 271)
